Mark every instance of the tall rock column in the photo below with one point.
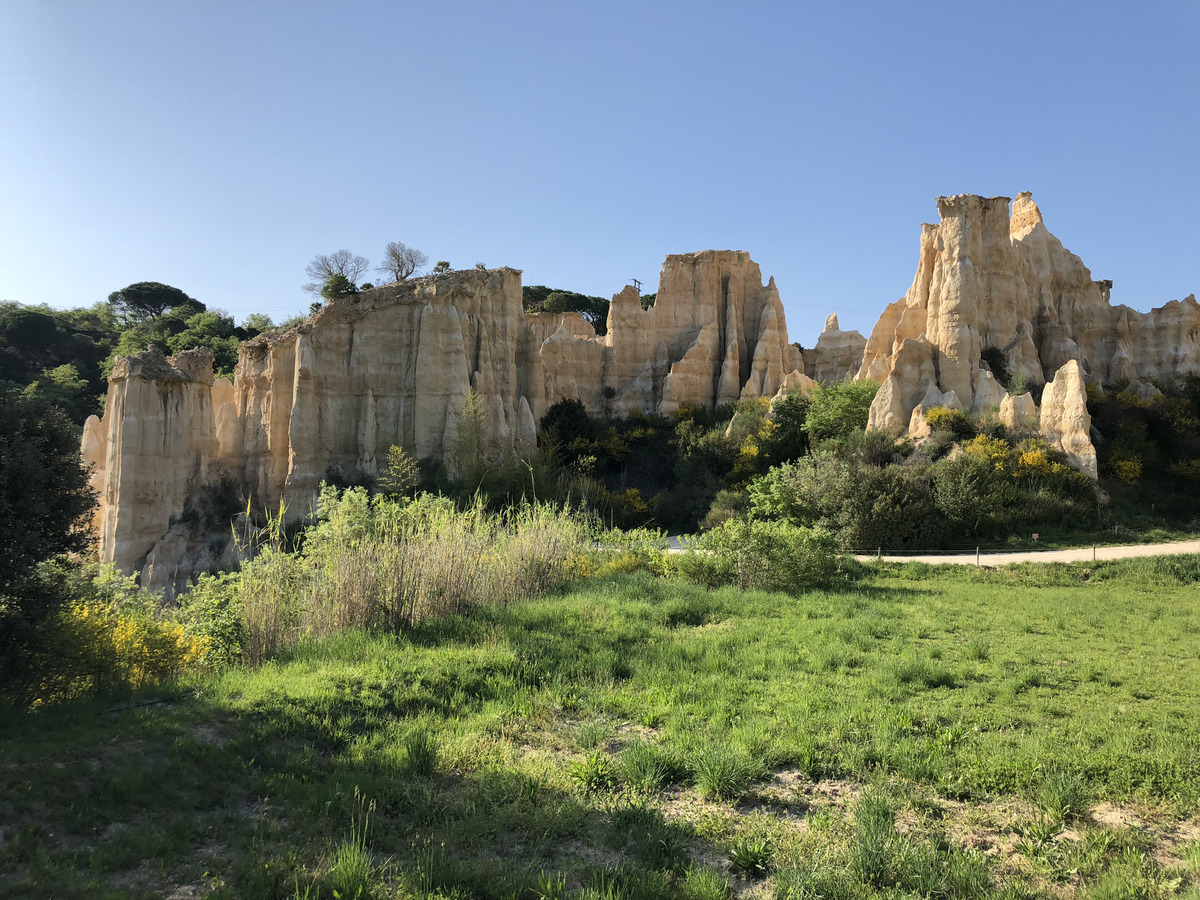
(1065, 420)
(159, 442)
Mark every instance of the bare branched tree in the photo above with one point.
(401, 262)
(342, 262)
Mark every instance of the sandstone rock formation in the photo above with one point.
(714, 334)
(837, 355)
(992, 281)
(1065, 420)
(394, 365)
(1018, 413)
(159, 447)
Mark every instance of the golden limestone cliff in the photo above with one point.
(393, 365)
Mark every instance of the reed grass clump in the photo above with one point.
(393, 563)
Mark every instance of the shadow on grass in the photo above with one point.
(128, 797)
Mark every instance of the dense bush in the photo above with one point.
(956, 421)
(111, 637)
(875, 499)
(44, 503)
(839, 409)
(773, 556)
(1149, 449)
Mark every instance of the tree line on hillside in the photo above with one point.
(65, 356)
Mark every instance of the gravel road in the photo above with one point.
(1081, 554)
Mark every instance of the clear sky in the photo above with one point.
(219, 146)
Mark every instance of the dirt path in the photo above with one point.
(1081, 554)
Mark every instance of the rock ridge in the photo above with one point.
(395, 365)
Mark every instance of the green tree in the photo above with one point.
(44, 503)
(146, 300)
(469, 448)
(539, 298)
(837, 409)
(441, 267)
(37, 341)
(788, 440)
(338, 286)
(400, 473)
(564, 428)
(257, 323)
(213, 330)
(63, 387)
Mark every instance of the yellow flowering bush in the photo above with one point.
(1033, 461)
(993, 451)
(110, 640)
(1186, 470)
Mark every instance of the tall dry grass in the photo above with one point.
(377, 562)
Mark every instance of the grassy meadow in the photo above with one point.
(1027, 732)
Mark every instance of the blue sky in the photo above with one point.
(219, 146)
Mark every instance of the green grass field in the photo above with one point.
(1032, 732)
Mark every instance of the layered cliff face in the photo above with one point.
(393, 365)
(387, 366)
(155, 447)
(990, 282)
(715, 334)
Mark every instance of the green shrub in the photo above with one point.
(873, 496)
(111, 637)
(865, 506)
(728, 504)
(213, 609)
(839, 409)
(616, 550)
(754, 554)
(956, 421)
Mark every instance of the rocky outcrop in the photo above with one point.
(838, 354)
(1018, 413)
(395, 365)
(994, 282)
(158, 444)
(715, 334)
(1065, 421)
